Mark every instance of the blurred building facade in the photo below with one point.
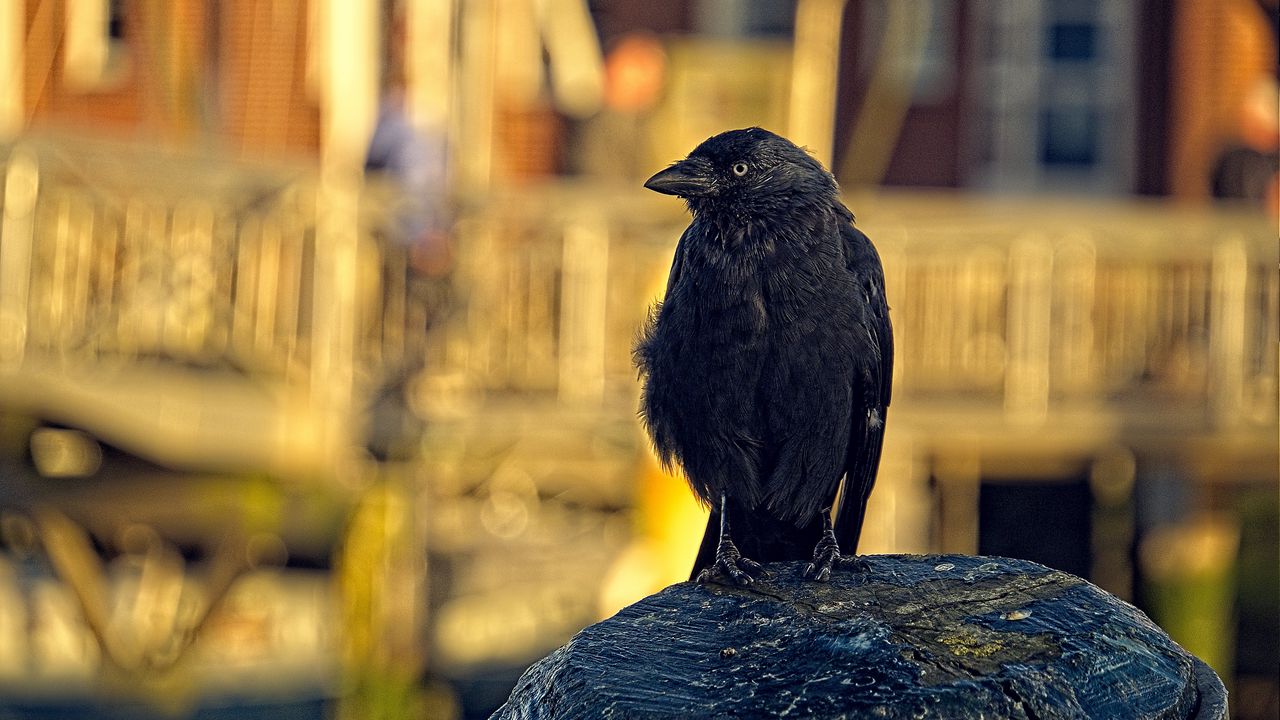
(217, 359)
(178, 72)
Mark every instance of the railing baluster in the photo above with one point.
(17, 236)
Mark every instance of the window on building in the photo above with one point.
(1055, 95)
(1069, 136)
(1072, 41)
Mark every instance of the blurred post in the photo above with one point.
(814, 72)
(1111, 479)
(474, 114)
(583, 328)
(348, 43)
(11, 62)
(334, 308)
(17, 228)
(380, 578)
(898, 514)
(1230, 276)
(348, 40)
(575, 61)
(1026, 398)
(85, 42)
(959, 478)
(430, 62)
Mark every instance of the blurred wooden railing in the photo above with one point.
(1052, 305)
(1027, 306)
(140, 291)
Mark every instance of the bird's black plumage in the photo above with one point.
(767, 365)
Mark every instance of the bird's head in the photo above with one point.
(745, 171)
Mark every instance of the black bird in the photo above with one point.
(767, 365)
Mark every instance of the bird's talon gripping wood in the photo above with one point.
(728, 560)
(739, 570)
(827, 556)
(767, 365)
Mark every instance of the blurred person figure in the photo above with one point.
(416, 162)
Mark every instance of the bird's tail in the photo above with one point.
(858, 482)
(707, 550)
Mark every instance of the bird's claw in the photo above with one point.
(742, 571)
(827, 557)
(818, 571)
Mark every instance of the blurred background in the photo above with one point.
(316, 395)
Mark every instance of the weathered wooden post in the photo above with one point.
(920, 636)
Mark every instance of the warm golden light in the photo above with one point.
(316, 321)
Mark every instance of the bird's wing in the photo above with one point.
(871, 391)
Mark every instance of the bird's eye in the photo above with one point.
(740, 169)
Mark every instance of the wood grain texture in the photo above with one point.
(937, 636)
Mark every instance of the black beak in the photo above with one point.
(684, 179)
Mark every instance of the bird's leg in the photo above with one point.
(742, 571)
(826, 554)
